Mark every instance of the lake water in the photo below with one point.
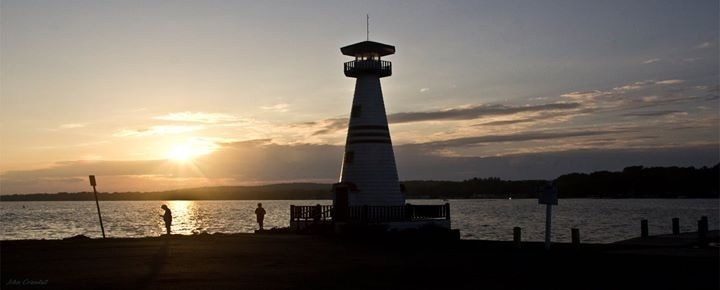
(599, 220)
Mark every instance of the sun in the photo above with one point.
(180, 153)
(187, 151)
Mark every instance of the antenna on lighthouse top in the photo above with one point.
(367, 22)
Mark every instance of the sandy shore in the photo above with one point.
(253, 261)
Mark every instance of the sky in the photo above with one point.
(156, 95)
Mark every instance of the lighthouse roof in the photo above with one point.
(368, 48)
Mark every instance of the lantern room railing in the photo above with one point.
(382, 68)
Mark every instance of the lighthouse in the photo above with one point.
(368, 176)
(369, 192)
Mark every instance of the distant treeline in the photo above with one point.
(632, 182)
(262, 192)
(473, 188)
(639, 182)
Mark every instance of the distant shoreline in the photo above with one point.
(631, 182)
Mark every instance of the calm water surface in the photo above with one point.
(599, 220)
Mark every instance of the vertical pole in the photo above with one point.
(575, 236)
(447, 211)
(548, 222)
(292, 215)
(704, 222)
(644, 229)
(517, 236)
(408, 212)
(364, 214)
(97, 203)
(676, 226)
(702, 230)
(316, 213)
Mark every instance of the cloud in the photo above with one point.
(634, 86)
(639, 85)
(652, 60)
(326, 126)
(156, 130)
(277, 108)
(669, 82)
(198, 117)
(423, 90)
(639, 94)
(546, 122)
(710, 89)
(475, 112)
(583, 95)
(518, 137)
(505, 122)
(654, 113)
(332, 125)
(703, 45)
(72, 125)
(709, 124)
(67, 169)
(581, 106)
(78, 145)
(650, 99)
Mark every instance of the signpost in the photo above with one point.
(548, 197)
(93, 183)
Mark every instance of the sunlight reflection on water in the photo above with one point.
(599, 220)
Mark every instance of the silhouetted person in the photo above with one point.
(260, 213)
(167, 217)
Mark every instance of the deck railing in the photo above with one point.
(311, 213)
(369, 214)
(356, 67)
(430, 211)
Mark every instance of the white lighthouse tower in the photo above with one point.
(369, 192)
(369, 176)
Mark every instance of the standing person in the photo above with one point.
(260, 213)
(167, 217)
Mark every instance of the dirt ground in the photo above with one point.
(287, 261)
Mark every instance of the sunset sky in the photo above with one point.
(154, 95)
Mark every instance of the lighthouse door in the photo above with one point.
(341, 203)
